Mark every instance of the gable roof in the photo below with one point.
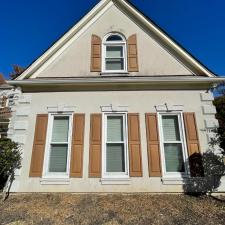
(152, 29)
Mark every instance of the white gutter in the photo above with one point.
(118, 80)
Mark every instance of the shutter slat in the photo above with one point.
(193, 146)
(134, 141)
(76, 165)
(95, 145)
(39, 145)
(96, 53)
(154, 163)
(132, 53)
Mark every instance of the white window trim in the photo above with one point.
(114, 175)
(54, 175)
(176, 175)
(114, 43)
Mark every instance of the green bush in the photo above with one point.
(219, 102)
(10, 159)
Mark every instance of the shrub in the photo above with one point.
(10, 159)
(219, 102)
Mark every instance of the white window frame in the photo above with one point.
(114, 43)
(46, 173)
(182, 141)
(116, 175)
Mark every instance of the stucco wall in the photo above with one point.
(90, 102)
(74, 58)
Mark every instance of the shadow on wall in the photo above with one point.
(2, 182)
(207, 180)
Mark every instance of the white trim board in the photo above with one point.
(92, 16)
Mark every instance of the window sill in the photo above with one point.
(174, 180)
(55, 181)
(116, 181)
(112, 74)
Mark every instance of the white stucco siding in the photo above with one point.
(89, 102)
(73, 59)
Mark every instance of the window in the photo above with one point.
(115, 155)
(173, 148)
(114, 54)
(58, 146)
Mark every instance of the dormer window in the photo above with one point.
(114, 58)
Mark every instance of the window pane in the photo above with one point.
(170, 128)
(115, 158)
(114, 51)
(174, 158)
(114, 128)
(114, 38)
(58, 158)
(60, 129)
(114, 64)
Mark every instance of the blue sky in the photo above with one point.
(28, 28)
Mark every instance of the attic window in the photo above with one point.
(114, 38)
(114, 58)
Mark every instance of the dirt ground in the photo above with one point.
(139, 209)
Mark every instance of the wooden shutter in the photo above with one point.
(154, 163)
(193, 147)
(39, 145)
(191, 133)
(95, 155)
(134, 142)
(4, 101)
(132, 54)
(96, 52)
(76, 164)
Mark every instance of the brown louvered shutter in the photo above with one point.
(76, 164)
(134, 143)
(193, 147)
(39, 145)
(95, 145)
(132, 54)
(154, 163)
(4, 101)
(96, 53)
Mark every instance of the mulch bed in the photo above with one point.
(111, 209)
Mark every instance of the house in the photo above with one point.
(115, 105)
(7, 95)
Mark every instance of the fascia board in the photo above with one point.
(130, 9)
(64, 39)
(167, 40)
(113, 80)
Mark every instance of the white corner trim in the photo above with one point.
(167, 107)
(25, 99)
(55, 181)
(21, 139)
(60, 108)
(23, 111)
(210, 136)
(115, 181)
(21, 125)
(207, 96)
(114, 108)
(211, 123)
(209, 109)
